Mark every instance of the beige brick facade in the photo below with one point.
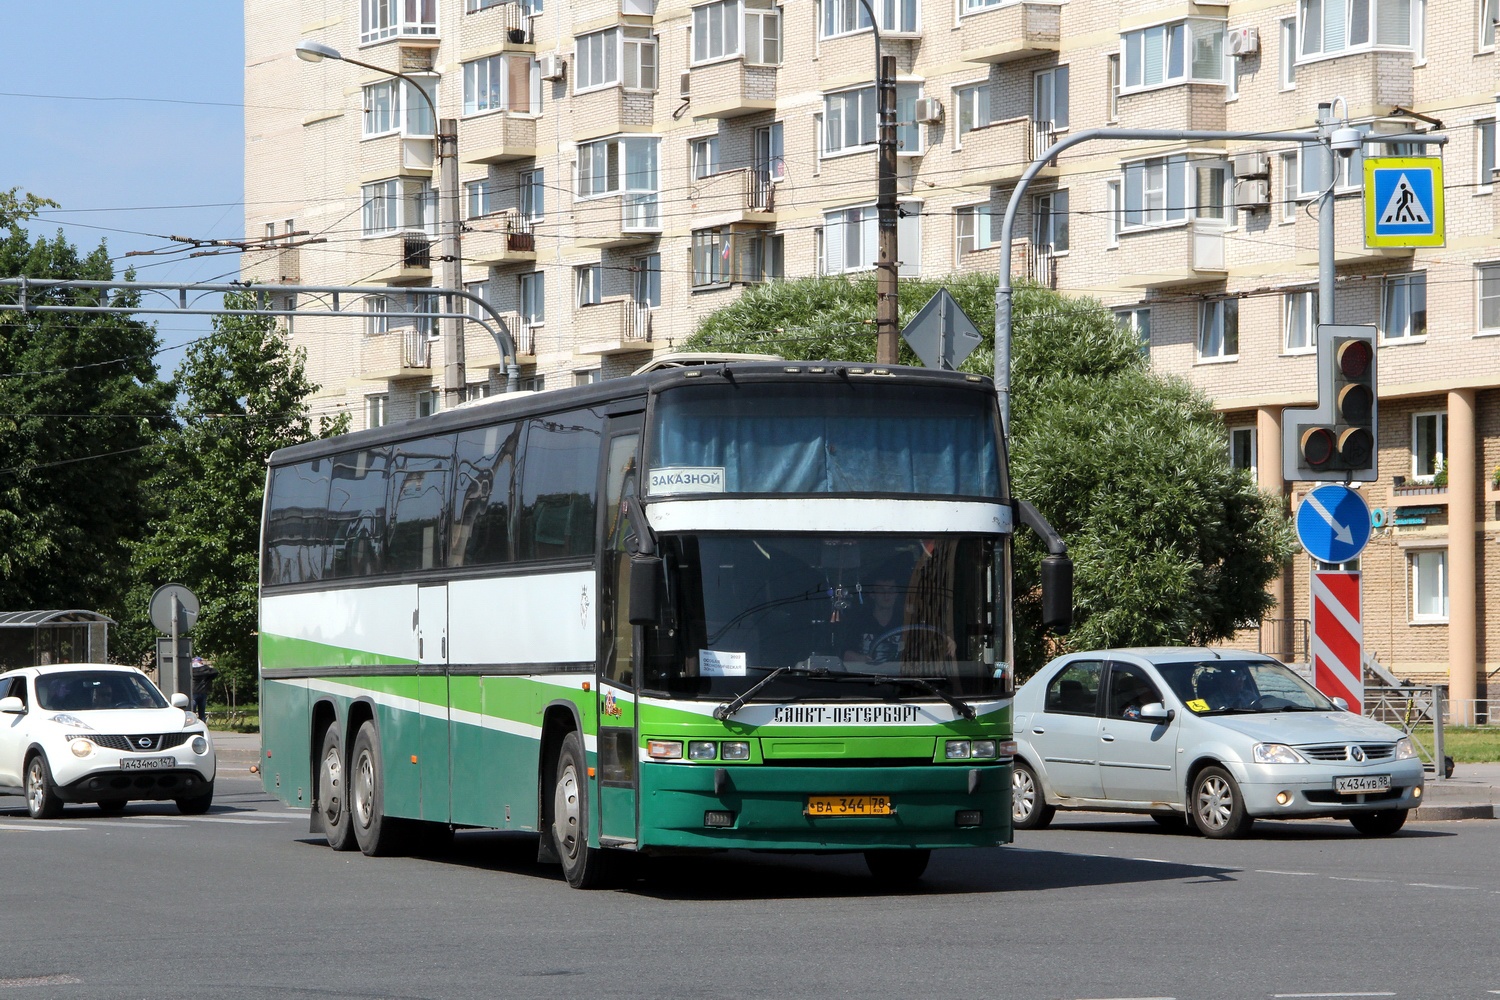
(307, 158)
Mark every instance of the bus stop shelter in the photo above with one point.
(32, 638)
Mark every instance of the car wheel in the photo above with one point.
(333, 793)
(1381, 823)
(1028, 806)
(198, 804)
(375, 833)
(583, 866)
(111, 807)
(900, 867)
(1218, 806)
(42, 801)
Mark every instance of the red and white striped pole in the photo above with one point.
(1338, 637)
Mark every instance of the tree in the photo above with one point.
(1170, 544)
(80, 401)
(243, 392)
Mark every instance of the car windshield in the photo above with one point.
(1222, 687)
(86, 690)
(848, 611)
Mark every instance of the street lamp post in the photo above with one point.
(445, 159)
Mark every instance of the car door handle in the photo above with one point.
(1107, 738)
(1038, 730)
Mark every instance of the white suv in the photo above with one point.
(94, 732)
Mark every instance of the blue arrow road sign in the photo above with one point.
(1333, 523)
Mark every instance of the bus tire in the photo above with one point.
(375, 833)
(899, 867)
(332, 793)
(583, 866)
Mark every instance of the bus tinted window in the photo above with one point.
(559, 485)
(419, 501)
(852, 438)
(296, 524)
(357, 512)
(485, 472)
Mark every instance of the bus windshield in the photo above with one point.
(852, 438)
(739, 606)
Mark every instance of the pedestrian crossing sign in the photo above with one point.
(1404, 201)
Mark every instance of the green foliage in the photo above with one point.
(1170, 544)
(243, 394)
(15, 209)
(80, 401)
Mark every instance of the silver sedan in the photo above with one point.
(1219, 738)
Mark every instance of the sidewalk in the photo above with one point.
(1472, 793)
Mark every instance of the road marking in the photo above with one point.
(1273, 871)
(40, 981)
(1434, 885)
(1346, 878)
(139, 824)
(37, 827)
(225, 819)
(1288, 995)
(1132, 998)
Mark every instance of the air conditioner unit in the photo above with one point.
(1252, 164)
(685, 83)
(1242, 41)
(929, 110)
(1252, 194)
(552, 65)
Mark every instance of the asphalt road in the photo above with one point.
(244, 903)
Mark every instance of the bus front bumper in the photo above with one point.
(767, 808)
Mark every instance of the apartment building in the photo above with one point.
(628, 166)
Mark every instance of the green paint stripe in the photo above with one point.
(283, 651)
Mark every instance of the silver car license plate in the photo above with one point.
(1359, 784)
(146, 763)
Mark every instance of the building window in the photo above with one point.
(1137, 320)
(1242, 450)
(1219, 330)
(375, 410)
(1403, 306)
(1300, 315)
(1489, 13)
(600, 173)
(1287, 39)
(711, 250)
(841, 17)
(1329, 27)
(1155, 191)
(1112, 213)
(770, 153)
(1112, 104)
(533, 195)
(1049, 214)
(502, 83)
(1489, 298)
(1180, 52)
(424, 307)
(590, 282)
(587, 377)
(973, 108)
(534, 298)
(380, 19)
(1429, 439)
(648, 280)
(429, 401)
(614, 57)
(479, 197)
(395, 205)
(1429, 584)
(1049, 104)
(719, 28)
(397, 106)
(381, 321)
(849, 240)
(849, 120)
(1484, 152)
(975, 228)
(705, 156)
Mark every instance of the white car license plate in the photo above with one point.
(1359, 784)
(146, 763)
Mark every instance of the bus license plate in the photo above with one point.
(146, 763)
(849, 805)
(1359, 784)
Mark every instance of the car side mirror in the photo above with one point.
(1341, 704)
(645, 571)
(1155, 711)
(12, 706)
(180, 700)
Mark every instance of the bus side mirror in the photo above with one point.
(645, 571)
(1057, 593)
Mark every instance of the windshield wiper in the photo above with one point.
(925, 683)
(724, 711)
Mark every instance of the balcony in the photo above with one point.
(1034, 262)
(1174, 255)
(729, 89)
(498, 137)
(1013, 31)
(611, 110)
(409, 257)
(396, 155)
(1000, 152)
(480, 349)
(507, 21)
(404, 352)
(619, 220)
(623, 326)
(1373, 82)
(499, 240)
(731, 196)
(1179, 105)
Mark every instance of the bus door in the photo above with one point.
(619, 641)
(432, 696)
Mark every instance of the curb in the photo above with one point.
(1428, 814)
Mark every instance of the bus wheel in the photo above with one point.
(332, 793)
(373, 831)
(583, 866)
(897, 867)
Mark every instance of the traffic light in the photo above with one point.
(1336, 441)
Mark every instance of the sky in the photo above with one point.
(129, 114)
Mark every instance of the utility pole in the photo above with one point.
(887, 334)
(452, 329)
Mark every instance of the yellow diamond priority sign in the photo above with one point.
(1404, 201)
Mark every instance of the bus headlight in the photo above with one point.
(736, 750)
(958, 750)
(984, 748)
(664, 749)
(702, 750)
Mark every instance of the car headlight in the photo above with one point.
(1405, 748)
(189, 720)
(1277, 753)
(200, 745)
(71, 720)
(81, 747)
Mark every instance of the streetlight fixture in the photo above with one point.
(445, 161)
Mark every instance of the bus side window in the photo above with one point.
(419, 505)
(297, 524)
(484, 490)
(357, 508)
(619, 485)
(559, 485)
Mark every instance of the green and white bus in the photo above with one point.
(750, 605)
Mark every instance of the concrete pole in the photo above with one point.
(1463, 485)
(453, 327)
(888, 335)
(1329, 174)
